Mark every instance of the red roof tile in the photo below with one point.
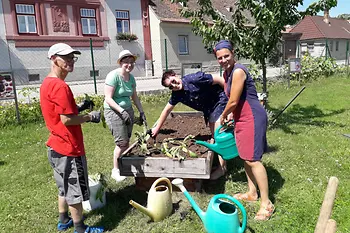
(313, 27)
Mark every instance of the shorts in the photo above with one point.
(120, 131)
(216, 113)
(71, 176)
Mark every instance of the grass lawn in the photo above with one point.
(307, 147)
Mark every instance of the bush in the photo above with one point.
(313, 68)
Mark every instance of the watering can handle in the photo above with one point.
(160, 180)
(217, 131)
(240, 206)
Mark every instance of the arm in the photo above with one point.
(218, 80)
(74, 119)
(136, 100)
(238, 78)
(109, 91)
(166, 111)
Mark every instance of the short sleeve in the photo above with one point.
(132, 78)
(204, 79)
(63, 100)
(175, 98)
(112, 79)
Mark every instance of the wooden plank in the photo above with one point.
(185, 113)
(327, 205)
(331, 226)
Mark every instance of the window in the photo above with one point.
(123, 21)
(88, 21)
(310, 47)
(337, 46)
(25, 18)
(33, 77)
(183, 45)
(331, 46)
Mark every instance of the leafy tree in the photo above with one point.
(344, 16)
(255, 39)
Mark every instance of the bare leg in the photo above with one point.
(76, 211)
(221, 170)
(118, 152)
(260, 176)
(252, 190)
(62, 205)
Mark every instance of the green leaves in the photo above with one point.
(179, 149)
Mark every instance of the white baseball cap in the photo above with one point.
(125, 53)
(61, 49)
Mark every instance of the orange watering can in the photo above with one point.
(225, 143)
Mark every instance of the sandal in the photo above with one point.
(265, 213)
(245, 197)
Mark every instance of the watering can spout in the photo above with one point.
(141, 208)
(179, 183)
(210, 146)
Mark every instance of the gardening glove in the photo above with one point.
(126, 117)
(86, 104)
(143, 119)
(95, 116)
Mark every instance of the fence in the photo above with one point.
(29, 66)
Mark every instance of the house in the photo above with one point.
(321, 32)
(174, 45)
(29, 27)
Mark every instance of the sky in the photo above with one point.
(343, 7)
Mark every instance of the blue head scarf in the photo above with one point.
(223, 44)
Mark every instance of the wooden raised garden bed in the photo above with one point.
(177, 126)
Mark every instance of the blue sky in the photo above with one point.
(343, 7)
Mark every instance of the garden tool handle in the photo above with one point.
(218, 129)
(160, 180)
(237, 203)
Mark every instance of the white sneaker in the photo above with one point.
(116, 175)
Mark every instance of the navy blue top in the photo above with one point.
(199, 93)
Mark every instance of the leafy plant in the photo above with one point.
(126, 36)
(99, 178)
(142, 138)
(179, 148)
(28, 91)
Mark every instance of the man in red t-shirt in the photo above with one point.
(66, 151)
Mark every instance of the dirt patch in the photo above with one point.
(178, 128)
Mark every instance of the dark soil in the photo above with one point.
(178, 128)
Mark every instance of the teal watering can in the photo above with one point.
(221, 216)
(225, 143)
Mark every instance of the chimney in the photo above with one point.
(326, 16)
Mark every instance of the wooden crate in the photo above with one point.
(140, 166)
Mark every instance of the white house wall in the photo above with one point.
(197, 52)
(136, 47)
(156, 43)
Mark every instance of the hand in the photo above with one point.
(86, 104)
(154, 132)
(223, 119)
(143, 119)
(95, 116)
(125, 117)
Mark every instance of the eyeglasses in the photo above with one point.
(68, 58)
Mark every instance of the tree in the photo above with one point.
(253, 40)
(344, 16)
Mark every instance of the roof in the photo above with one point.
(313, 27)
(169, 12)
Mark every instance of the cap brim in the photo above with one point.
(68, 51)
(135, 57)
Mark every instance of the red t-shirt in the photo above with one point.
(56, 98)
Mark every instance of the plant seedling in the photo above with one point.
(179, 147)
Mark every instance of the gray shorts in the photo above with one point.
(120, 131)
(71, 176)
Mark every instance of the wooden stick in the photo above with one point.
(327, 205)
(331, 226)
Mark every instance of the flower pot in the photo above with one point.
(96, 200)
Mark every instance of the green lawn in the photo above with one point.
(307, 147)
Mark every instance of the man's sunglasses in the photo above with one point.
(68, 58)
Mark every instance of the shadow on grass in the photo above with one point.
(299, 115)
(118, 206)
(235, 172)
(2, 163)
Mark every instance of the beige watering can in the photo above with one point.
(159, 201)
